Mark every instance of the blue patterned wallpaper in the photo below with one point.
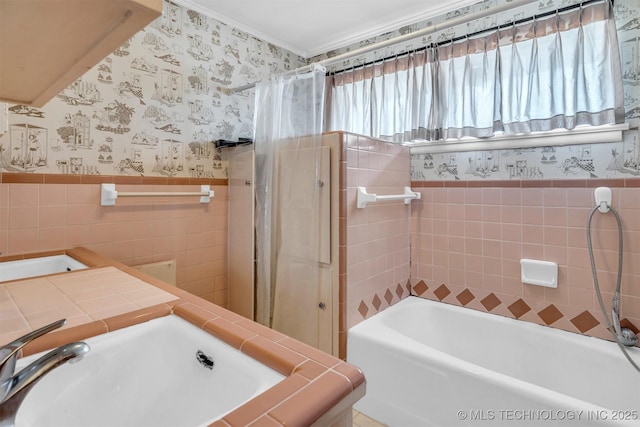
(150, 108)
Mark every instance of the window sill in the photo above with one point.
(580, 135)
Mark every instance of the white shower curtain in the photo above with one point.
(288, 126)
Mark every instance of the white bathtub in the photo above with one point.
(434, 364)
(32, 267)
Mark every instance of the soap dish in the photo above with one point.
(540, 273)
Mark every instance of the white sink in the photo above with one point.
(147, 375)
(32, 267)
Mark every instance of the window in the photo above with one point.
(555, 72)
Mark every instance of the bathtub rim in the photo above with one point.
(375, 331)
(611, 346)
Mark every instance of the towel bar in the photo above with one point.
(109, 194)
(365, 198)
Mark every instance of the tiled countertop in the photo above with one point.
(111, 296)
(80, 296)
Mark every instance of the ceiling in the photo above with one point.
(311, 27)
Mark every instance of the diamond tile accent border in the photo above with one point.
(491, 301)
(584, 321)
(420, 288)
(550, 315)
(399, 291)
(377, 302)
(465, 297)
(388, 297)
(515, 307)
(519, 308)
(363, 309)
(442, 292)
(383, 299)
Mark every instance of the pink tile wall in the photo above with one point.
(471, 241)
(377, 240)
(37, 217)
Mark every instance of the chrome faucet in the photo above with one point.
(15, 387)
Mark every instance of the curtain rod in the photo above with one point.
(455, 39)
(409, 36)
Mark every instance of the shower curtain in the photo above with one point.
(288, 125)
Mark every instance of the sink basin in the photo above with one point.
(165, 372)
(32, 267)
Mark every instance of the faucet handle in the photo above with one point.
(9, 353)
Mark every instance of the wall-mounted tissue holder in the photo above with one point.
(540, 273)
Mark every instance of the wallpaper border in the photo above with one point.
(49, 178)
(533, 183)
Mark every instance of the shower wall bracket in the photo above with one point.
(108, 194)
(364, 198)
(602, 196)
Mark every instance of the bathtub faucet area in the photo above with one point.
(14, 387)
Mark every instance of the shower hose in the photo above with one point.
(616, 296)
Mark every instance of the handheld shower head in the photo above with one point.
(627, 337)
(622, 336)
